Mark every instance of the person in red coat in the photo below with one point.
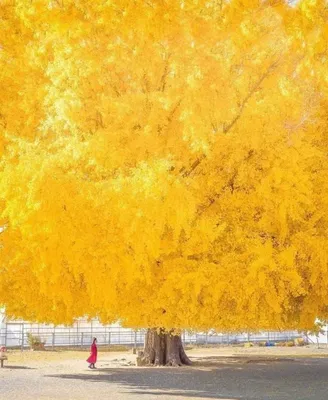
(93, 354)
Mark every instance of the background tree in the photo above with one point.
(164, 163)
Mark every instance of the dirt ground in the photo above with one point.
(230, 373)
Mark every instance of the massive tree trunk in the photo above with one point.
(163, 348)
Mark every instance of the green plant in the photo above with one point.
(34, 341)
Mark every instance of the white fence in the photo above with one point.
(15, 334)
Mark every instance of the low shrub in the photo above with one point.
(35, 342)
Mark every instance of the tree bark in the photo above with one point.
(164, 348)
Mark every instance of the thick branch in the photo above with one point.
(232, 123)
(228, 127)
(193, 166)
(162, 83)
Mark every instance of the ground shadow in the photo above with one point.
(156, 381)
(221, 360)
(237, 381)
(16, 367)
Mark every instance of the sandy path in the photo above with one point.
(219, 373)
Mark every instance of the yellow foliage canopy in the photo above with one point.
(164, 162)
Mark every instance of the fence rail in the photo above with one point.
(15, 335)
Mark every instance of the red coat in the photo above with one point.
(93, 356)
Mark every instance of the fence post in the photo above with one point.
(82, 339)
(77, 332)
(53, 340)
(6, 330)
(109, 338)
(22, 346)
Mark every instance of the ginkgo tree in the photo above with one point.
(164, 163)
